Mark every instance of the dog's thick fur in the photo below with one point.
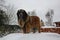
(28, 23)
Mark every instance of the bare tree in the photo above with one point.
(3, 17)
(49, 17)
(33, 13)
(9, 10)
(11, 13)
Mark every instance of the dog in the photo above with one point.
(28, 23)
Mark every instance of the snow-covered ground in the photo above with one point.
(32, 36)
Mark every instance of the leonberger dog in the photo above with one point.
(28, 23)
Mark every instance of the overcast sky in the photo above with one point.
(40, 6)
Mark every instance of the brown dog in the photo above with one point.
(28, 23)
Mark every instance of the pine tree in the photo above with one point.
(3, 17)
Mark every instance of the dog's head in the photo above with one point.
(22, 16)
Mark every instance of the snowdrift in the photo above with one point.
(32, 36)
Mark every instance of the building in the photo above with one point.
(57, 24)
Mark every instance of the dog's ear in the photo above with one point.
(18, 14)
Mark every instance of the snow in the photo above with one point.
(32, 36)
(50, 27)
